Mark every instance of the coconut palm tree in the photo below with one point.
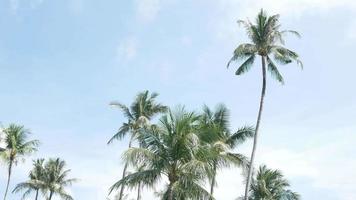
(35, 182)
(56, 179)
(17, 147)
(267, 42)
(169, 150)
(219, 142)
(138, 115)
(271, 185)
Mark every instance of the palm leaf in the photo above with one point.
(246, 66)
(272, 68)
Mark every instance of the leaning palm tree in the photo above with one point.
(56, 179)
(169, 150)
(17, 147)
(271, 185)
(35, 182)
(266, 41)
(219, 142)
(138, 115)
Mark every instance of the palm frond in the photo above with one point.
(123, 130)
(240, 136)
(245, 66)
(272, 68)
(243, 51)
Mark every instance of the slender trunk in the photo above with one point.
(250, 170)
(8, 178)
(170, 191)
(121, 194)
(213, 181)
(50, 195)
(139, 191)
(172, 177)
(36, 195)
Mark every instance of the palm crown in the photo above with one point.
(270, 184)
(267, 40)
(17, 147)
(218, 142)
(138, 114)
(56, 179)
(35, 182)
(170, 150)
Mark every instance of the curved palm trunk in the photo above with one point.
(213, 181)
(50, 195)
(8, 179)
(247, 188)
(139, 192)
(36, 195)
(121, 194)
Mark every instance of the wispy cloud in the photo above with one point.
(127, 50)
(15, 5)
(147, 10)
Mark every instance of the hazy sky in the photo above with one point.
(62, 62)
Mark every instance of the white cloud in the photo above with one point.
(147, 10)
(127, 50)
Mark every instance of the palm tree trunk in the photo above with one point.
(121, 194)
(213, 182)
(139, 191)
(250, 170)
(36, 195)
(50, 195)
(170, 191)
(8, 179)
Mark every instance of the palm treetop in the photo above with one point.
(266, 40)
(17, 144)
(271, 184)
(35, 182)
(168, 149)
(56, 178)
(142, 109)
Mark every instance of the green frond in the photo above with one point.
(272, 68)
(147, 177)
(246, 66)
(243, 51)
(125, 110)
(123, 130)
(285, 56)
(139, 156)
(240, 136)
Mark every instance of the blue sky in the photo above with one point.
(62, 62)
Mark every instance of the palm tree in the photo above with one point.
(266, 41)
(271, 185)
(16, 147)
(35, 182)
(219, 142)
(56, 179)
(169, 150)
(138, 115)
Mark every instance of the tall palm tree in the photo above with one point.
(17, 147)
(219, 142)
(138, 115)
(266, 41)
(271, 185)
(169, 150)
(56, 179)
(35, 182)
